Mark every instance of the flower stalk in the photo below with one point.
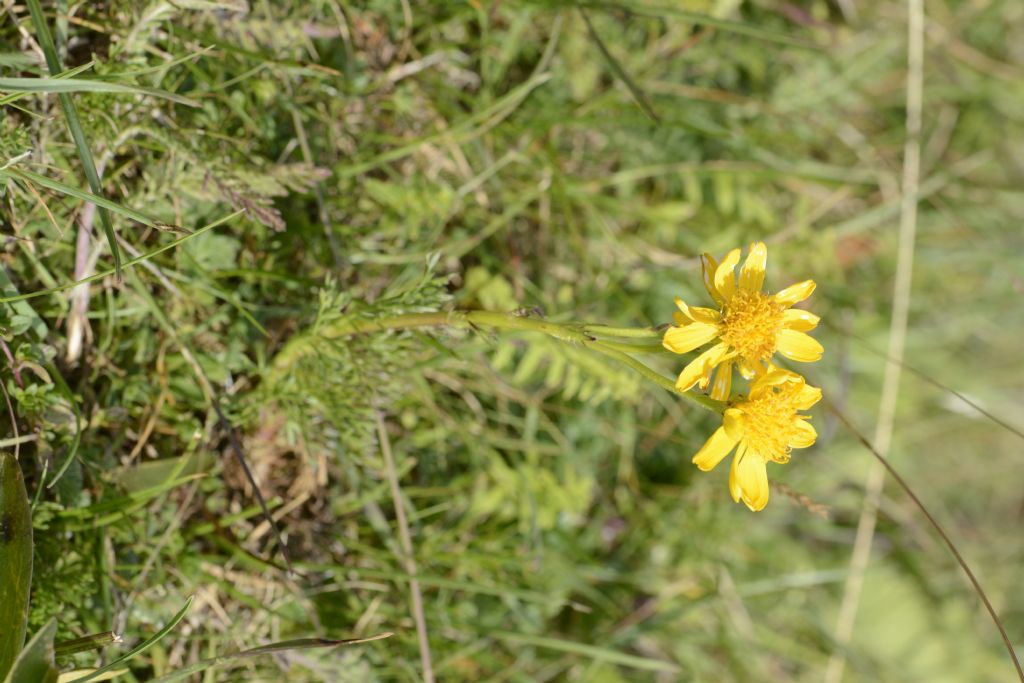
(598, 338)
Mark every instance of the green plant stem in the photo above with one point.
(571, 333)
(624, 332)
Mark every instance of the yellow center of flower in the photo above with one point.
(770, 420)
(750, 322)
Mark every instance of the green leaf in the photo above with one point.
(15, 560)
(35, 663)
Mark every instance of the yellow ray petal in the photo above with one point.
(708, 266)
(733, 423)
(713, 450)
(698, 314)
(774, 376)
(804, 434)
(807, 397)
(795, 293)
(799, 319)
(699, 369)
(752, 480)
(752, 273)
(798, 346)
(688, 337)
(717, 354)
(723, 382)
(725, 275)
(734, 480)
(748, 369)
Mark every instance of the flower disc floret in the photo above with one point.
(750, 324)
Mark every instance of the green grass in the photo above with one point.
(271, 173)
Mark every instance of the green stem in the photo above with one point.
(571, 333)
(623, 332)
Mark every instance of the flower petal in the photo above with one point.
(708, 266)
(699, 369)
(803, 435)
(798, 346)
(774, 376)
(697, 313)
(799, 319)
(688, 337)
(723, 382)
(748, 369)
(752, 480)
(734, 481)
(733, 423)
(725, 275)
(713, 450)
(795, 293)
(752, 273)
(807, 397)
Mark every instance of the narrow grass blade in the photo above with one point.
(601, 654)
(56, 185)
(65, 85)
(75, 126)
(18, 59)
(300, 644)
(59, 85)
(675, 10)
(15, 560)
(69, 73)
(141, 647)
(638, 95)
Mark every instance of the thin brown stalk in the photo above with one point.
(910, 191)
(925, 377)
(409, 560)
(886, 466)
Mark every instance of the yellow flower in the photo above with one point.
(750, 325)
(764, 426)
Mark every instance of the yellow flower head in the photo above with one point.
(764, 426)
(749, 325)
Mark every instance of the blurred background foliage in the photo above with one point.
(399, 157)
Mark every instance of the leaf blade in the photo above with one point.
(15, 560)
